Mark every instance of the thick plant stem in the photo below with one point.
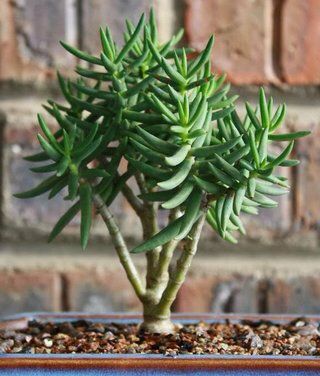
(150, 227)
(183, 265)
(135, 203)
(160, 275)
(167, 252)
(149, 222)
(120, 246)
(156, 324)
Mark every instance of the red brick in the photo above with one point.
(32, 290)
(300, 295)
(29, 40)
(241, 32)
(307, 195)
(300, 41)
(20, 140)
(36, 213)
(108, 13)
(100, 290)
(223, 293)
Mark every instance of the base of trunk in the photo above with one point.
(162, 326)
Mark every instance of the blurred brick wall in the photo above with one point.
(275, 43)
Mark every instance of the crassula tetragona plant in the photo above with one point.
(192, 156)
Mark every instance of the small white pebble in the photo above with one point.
(48, 342)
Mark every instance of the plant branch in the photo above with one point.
(135, 203)
(128, 193)
(183, 265)
(149, 223)
(141, 182)
(120, 246)
(166, 253)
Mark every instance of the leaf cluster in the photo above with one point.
(174, 122)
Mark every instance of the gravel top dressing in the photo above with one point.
(298, 337)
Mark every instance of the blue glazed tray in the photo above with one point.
(143, 365)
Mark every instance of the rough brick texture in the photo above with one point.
(307, 194)
(228, 293)
(100, 290)
(20, 140)
(29, 290)
(111, 13)
(300, 41)
(75, 286)
(245, 59)
(298, 295)
(257, 41)
(29, 38)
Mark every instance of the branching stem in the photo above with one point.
(120, 246)
(135, 203)
(183, 265)
(162, 272)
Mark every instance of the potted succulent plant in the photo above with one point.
(193, 158)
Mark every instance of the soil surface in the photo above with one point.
(298, 337)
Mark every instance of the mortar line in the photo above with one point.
(80, 24)
(276, 38)
(64, 293)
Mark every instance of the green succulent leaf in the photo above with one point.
(229, 169)
(207, 186)
(149, 170)
(162, 237)
(264, 110)
(202, 59)
(191, 213)
(210, 151)
(263, 145)
(81, 54)
(179, 156)
(43, 187)
(127, 47)
(254, 149)
(238, 199)
(64, 221)
(252, 116)
(38, 157)
(251, 187)
(278, 117)
(45, 169)
(48, 149)
(180, 197)
(60, 184)
(281, 158)
(221, 176)
(226, 211)
(270, 190)
(156, 142)
(288, 136)
(264, 200)
(179, 177)
(85, 194)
